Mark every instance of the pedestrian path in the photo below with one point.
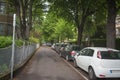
(47, 65)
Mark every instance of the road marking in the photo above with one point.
(76, 70)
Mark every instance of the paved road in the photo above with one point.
(47, 65)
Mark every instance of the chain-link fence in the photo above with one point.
(21, 55)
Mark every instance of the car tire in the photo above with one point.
(75, 63)
(67, 58)
(91, 73)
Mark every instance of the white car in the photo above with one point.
(99, 62)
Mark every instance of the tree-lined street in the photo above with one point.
(55, 23)
(43, 18)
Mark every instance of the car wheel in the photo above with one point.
(67, 58)
(92, 75)
(75, 64)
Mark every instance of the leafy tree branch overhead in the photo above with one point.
(85, 16)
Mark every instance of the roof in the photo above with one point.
(102, 48)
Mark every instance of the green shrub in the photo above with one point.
(3, 68)
(118, 43)
(34, 40)
(102, 43)
(99, 42)
(19, 42)
(5, 41)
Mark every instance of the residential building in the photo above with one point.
(6, 19)
(118, 26)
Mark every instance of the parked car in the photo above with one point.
(53, 46)
(48, 44)
(68, 52)
(57, 47)
(99, 62)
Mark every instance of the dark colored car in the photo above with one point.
(69, 51)
(57, 47)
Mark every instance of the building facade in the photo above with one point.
(118, 26)
(6, 20)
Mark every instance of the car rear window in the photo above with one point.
(76, 48)
(110, 55)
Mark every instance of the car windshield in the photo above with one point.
(63, 45)
(110, 55)
(76, 48)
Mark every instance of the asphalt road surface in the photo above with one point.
(46, 64)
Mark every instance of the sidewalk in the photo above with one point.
(47, 65)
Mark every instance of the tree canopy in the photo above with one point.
(62, 19)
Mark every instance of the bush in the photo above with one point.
(102, 43)
(34, 40)
(7, 41)
(3, 68)
(118, 43)
(19, 42)
(98, 42)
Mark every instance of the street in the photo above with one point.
(46, 64)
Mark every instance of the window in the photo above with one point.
(77, 48)
(2, 29)
(2, 8)
(110, 55)
(84, 52)
(90, 52)
(87, 52)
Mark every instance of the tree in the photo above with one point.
(64, 29)
(23, 9)
(47, 27)
(112, 8)
(76, 11)
(56, 29)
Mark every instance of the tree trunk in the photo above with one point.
(110, 28)
(30, 14)
(29, 23)
(17, 11)
(80, 30)
(24, 8)
(24, 23)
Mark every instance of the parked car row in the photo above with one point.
(98, 62)
(67, 50)
(58, 46)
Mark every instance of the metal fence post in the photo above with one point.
(13, 46)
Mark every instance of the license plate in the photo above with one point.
(114, 71)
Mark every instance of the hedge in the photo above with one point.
(118, 43)
(102, 43)
(7, 41)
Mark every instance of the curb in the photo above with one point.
(76, 70)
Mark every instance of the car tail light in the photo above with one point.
(99, 55)
(102, 76)
(73, 53)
